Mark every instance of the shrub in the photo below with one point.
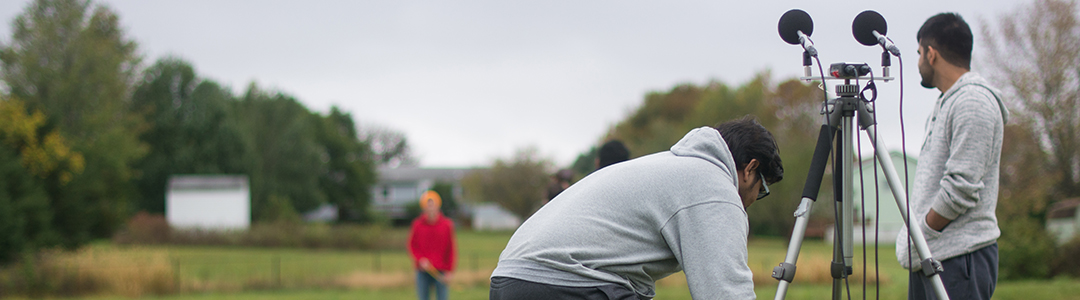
(203, 237)
(1025, 250)
(79, 273)
(148, 229)
(317, 236)
(144, 228)
(1066, 260)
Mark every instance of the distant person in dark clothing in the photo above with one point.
(559, 182)
(611, 153)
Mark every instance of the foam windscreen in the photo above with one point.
(792, 22)
(864, 26)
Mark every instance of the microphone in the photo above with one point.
(795, 28)
(869, 28)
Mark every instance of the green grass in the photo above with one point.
(251, 273)
(239, 268)
(1064, 289)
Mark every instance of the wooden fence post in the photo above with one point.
(475, 264)
(176, 275)
(276, 262)
(378, 264)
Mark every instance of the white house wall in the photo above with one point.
(888, 218)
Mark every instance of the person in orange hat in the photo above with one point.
(431, 244)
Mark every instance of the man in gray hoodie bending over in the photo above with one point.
(615, 232)
(954, 194)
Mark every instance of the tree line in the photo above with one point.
(1032, 53)
(89, 135)
(788, 109)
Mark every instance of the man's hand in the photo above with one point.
(425, 264)
(936, 221)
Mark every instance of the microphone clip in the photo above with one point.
(886, 44)
(807, 44)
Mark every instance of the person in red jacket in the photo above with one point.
(431, 244)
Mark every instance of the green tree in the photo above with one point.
(76, 66)
(286, 158)
(585, 163)
(190, 130)
(1026, 247)
(1034, 54)
(517, 184)
(348, 168)
(390, 148)
(30, 159)
(449, 200)
(660, 121)
(789, 110)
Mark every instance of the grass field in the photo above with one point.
(1057, 289)
(252, 273)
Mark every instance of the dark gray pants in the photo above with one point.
(505, 288)
(969, 276)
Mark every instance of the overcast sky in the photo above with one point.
(471, 81)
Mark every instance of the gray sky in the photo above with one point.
(471, 81)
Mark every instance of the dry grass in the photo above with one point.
(817, 270)
(395, 280)
(94, 272)
(134, 273)
(811, 270)
(369, 280)
(153, 270)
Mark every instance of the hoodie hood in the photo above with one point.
(706, 143)
(972, 78)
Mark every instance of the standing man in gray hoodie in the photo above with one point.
(955, 189)
(615, 232)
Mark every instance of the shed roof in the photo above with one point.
(207, 182)
(414, 174)
(1064, 209)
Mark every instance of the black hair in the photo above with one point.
(950, 35)
(747, 140)
(612, 152)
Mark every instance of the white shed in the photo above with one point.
(1063, 220)
(884, 222)
(208, 202)
(490, 216)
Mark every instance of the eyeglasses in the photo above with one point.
(764, 191)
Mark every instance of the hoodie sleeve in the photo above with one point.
(709, 241)
(971, 139)
(451, 259)
(413, 244)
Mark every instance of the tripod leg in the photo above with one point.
(785, 272)
(931, 267)
(836, 269)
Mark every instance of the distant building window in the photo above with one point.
(403, 193)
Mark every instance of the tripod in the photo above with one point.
(839, 117)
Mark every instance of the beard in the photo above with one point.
(927, 77)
